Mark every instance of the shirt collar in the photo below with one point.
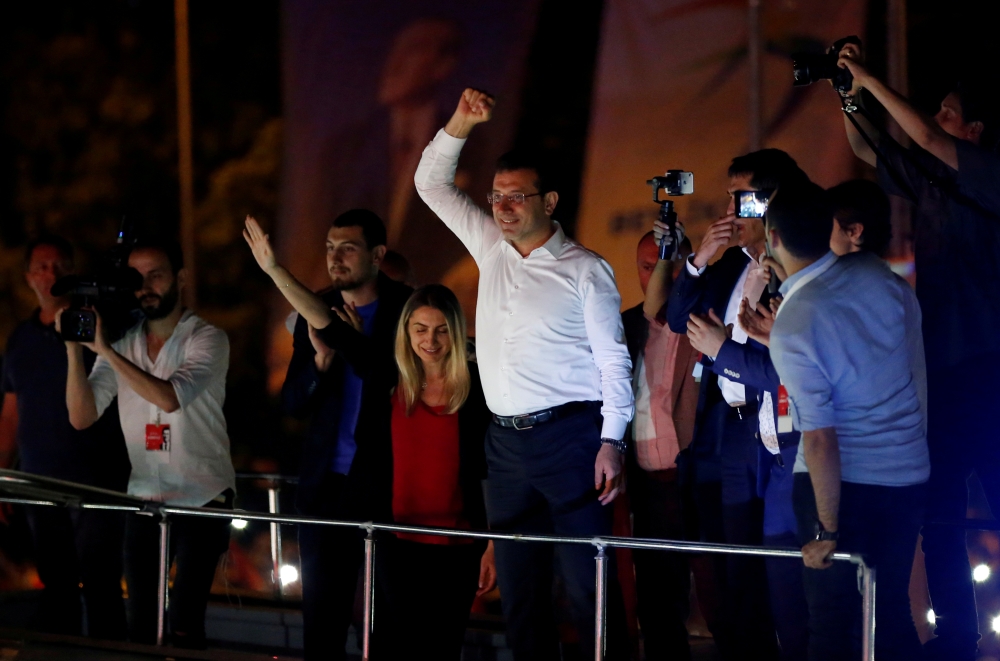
(815, 266)
(555, 245)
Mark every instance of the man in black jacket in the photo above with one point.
(346, 459)
(723, 458)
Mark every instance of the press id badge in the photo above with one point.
(784, 414)
(157, 436)
(699, 369)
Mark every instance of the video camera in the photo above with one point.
(807, 68)
(114, 283)
(674, 183)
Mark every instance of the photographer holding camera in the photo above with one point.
(76, 551)
(169, 373)
(951, 177)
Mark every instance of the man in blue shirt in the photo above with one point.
(346, 458)
(847, 345)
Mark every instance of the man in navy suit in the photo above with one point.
(725, 460)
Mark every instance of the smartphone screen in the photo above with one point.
(750, 203)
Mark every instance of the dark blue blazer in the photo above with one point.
(749, 364)
(697, 295)
(307, 393)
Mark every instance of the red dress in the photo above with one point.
(425, 460)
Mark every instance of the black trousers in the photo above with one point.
(962, 440)
(331, 560)
(195, 545)
(424, 595)
(74, 547)
(541, 480)
(662, 580)
(882, 523)
(730, 511)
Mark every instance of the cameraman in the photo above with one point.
(952, 181)
(73, 547)
(169, 373)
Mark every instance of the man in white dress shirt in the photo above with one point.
(556, 374)
(169, 374)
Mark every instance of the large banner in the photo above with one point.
(366, 87)
(672, 93)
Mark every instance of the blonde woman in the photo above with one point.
(427, 583)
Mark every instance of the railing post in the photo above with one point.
(369, 620)
(868, 612)
(600, 607)
(161, 593)
(273, 508)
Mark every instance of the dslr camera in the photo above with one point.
(674, 183)
(807, 68)
(114, 284)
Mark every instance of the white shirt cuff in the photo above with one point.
(448, 145)
(613, 427)
(692, 271)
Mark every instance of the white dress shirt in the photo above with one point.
(548, 326)
(197, 467)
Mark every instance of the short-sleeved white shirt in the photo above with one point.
(197, 467)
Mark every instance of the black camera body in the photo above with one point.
(114, 285)
(674, 183)
(807, 68)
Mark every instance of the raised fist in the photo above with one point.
(475, 107)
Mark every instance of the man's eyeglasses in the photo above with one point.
(513, 198)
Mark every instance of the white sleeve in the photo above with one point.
(104, 382)
(692, 271)
(206, 358)
(435, 182)
(603, 320)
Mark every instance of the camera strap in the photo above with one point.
(849, 108)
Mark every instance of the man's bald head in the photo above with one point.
(646, 256)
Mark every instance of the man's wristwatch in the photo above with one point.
(618, 444)
(825, 535)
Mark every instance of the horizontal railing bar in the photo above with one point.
(116, 508)
(617, 542)
(610, 541)
(268, 477)
(28, 501)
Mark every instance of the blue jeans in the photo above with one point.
(541, 480)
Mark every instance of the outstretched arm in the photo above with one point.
(922, 129)
(305, 302)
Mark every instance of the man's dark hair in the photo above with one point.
(372, 227)
(976, 100)
(57, 242)
(537, 162)
(864, 202)
(768, 169)
(801, 215)
(169, 247)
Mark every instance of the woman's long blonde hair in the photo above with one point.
(411, 369)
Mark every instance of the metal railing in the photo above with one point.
(274, 482)
(34, 490)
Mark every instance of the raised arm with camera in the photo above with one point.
(935, 135)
